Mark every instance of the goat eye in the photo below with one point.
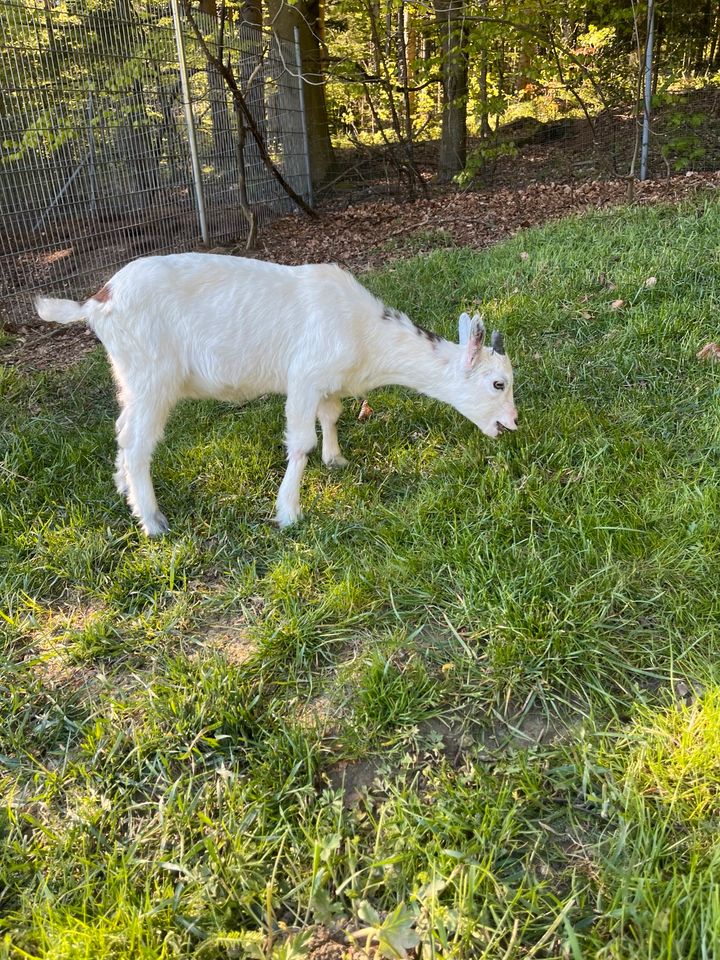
(499, 384)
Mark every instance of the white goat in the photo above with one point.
(205, 326)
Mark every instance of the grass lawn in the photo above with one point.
(469, 706)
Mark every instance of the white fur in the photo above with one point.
(200, 325)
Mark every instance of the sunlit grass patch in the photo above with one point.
(675, 757)
(391, 693)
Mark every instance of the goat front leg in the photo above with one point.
(329, 411)
(300, 438)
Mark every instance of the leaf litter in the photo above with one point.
(370, 234)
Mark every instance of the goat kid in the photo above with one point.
(206, 326)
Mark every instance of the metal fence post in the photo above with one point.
(190, 122)
(303, 116)
(648, 90)
(91, 151)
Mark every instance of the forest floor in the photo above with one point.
(369, 233)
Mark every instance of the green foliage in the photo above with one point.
(83, 66)
(483, 157)
(395, 935)
(94, 67)
(675, 758)
(685, 132)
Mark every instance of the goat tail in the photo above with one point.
(60, 311)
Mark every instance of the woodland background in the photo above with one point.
(313, 107)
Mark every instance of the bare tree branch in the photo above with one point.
(227, 73)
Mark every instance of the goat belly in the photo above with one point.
(197, 387)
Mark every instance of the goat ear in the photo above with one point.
(475, 340)
(464, 328)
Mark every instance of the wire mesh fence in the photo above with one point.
(95, 160)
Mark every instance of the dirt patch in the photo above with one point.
(51, 649)
(460, 734)
(455, 738)
(373, 233)
(326, 946)
(59, 672)
(321, 714)
(355, 778)
(230, 639)
(451, 737)
(369, 235)
(36, 349)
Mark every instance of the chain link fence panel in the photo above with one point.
(95, 162)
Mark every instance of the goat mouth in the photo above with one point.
(501, 428)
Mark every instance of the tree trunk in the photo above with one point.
(524, 64)
(704, 31)
(483, 84)
(307, 16)
(404, 72)
(250, 70)
(168, 97)
(450, 17)
(500, 80)
(222, 135)
(251, 12)
(714, 56)
(139, 149)
(411, 52)
(228, 74)
(659, 41)
(213, 22)
(484, 109)
(247, 210)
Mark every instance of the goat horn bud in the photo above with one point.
(496, 342)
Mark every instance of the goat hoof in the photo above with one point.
(157, 526)
(338, 461)
(286, 518)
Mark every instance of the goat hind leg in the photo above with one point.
(142, 428)
(120, 476)
(300, 439)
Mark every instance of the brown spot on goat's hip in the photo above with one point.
(103, 294)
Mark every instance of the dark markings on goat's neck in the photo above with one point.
(428, 334)
(103, 294)
(390, 313)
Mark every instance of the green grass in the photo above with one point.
(469, 706)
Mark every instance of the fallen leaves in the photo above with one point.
(366, 411)
(617, 304)
(370, 234)
(604, 281)
(711, 351)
